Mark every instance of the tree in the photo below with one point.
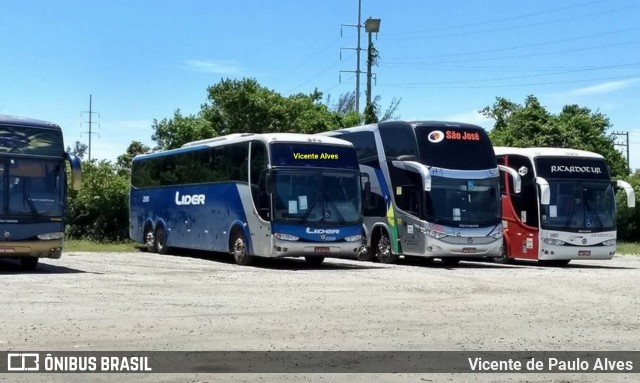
(123, 163)
(531, 125)
(174, 132)
(79, 149)
(100, 210)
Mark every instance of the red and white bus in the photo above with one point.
(566, 208)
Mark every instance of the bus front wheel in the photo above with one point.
(503, 257)
(383, 249)
(314, 261)
(160, 242)
(239, 249)
(29, 263)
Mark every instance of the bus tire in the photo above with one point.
(554, 262)
(383, 249)
(149, 240)
(450, 261)
(29, 263)
(314, 261)
(160, 242)
(238, 248)
(503, 258)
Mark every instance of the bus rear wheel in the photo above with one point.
(160, 243)
(29, 263)
(239, 249)
(383, 249)
(314, 261)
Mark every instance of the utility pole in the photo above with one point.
(90, 122)
(626, 145)
(357, 49)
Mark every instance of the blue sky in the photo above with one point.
(446, 60)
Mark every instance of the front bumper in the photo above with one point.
(315, 249)
(38, 248)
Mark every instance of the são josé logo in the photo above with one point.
(436, 136)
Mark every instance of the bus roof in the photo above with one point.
(267, 138)
(432, 124)
(25, 121)
(545, 152)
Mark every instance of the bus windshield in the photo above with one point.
(579, 206)
(464, 202)
(32, 187)
(322, 196)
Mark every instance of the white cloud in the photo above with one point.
(214, 66)
(606, 87)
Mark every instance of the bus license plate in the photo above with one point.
(584, 253)
(323, 249)
(468, 250)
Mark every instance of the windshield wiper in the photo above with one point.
(31, 205)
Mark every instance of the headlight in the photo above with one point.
(609, 242)
(496, 235)
(50, 236)
(435, 234)
(353, 238)
(552, 241)
(286, 237)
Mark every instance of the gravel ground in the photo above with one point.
(139, 301)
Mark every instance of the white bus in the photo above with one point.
(269, 195)
(435, 190)
(566, 209)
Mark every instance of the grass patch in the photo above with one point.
(632, 248)
(85, 245)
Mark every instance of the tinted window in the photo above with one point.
(365, 144)
(526, 203)
(455, 147)
(398, 141)
(202, 165)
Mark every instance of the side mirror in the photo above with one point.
(628, 189)
(416, 167)
(517, 181)
(545, 192)
(76, 171)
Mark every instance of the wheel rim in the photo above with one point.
(149, 239)
(239, 249)
(384, 247)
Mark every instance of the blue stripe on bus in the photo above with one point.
(191, 221)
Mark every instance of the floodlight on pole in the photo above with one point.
(370, 26)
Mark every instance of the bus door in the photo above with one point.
(520, 211)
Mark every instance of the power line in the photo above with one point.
(416, 85)
(519, 26)
(518, 46)
(526, 15)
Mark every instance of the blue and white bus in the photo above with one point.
(434, 190)
(33, 189)
(268, 195)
